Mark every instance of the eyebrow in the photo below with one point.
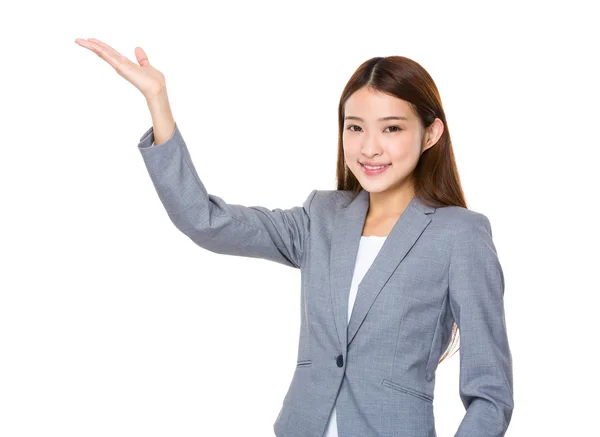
(391, 117)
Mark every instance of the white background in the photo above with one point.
(113, 323)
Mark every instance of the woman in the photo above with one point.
(392, 262)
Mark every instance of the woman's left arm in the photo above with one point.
(476, 287)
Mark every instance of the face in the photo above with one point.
(383, 130)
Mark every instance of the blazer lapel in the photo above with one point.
(347, 231)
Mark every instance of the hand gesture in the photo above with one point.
(144, 76)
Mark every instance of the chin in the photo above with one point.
(374, 187)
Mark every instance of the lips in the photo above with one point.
(373, 165)
(374, 171)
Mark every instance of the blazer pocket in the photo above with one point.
(303, 363)
(407, 390)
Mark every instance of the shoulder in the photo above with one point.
(458, 216)
(330, 199)
(463, 220)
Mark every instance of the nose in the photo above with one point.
(370, 147)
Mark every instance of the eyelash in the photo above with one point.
(353, 125)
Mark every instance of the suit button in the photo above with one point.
(340, 361)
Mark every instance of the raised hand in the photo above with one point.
(144, 76)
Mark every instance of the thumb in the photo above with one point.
(141, 57)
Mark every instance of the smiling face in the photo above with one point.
(381, 129)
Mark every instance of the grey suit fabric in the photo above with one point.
(437, 266)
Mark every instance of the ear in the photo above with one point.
(433, 134)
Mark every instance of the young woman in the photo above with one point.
(392, 261)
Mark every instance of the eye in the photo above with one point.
(397, 127)
(350, 128)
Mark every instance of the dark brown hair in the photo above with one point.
(436, 179)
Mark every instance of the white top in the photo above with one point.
(367, 251)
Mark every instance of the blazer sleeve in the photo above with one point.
(277, 235)
(476, 293)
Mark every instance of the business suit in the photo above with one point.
(437, 265)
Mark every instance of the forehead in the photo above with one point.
(369, 104)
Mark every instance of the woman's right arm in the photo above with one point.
(277, 235)
(162, 118)
(254, 231)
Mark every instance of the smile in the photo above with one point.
(370, 171)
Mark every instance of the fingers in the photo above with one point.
(93, 46)
(103, 50)
(106, 47)
(85, 43)
(141, 56)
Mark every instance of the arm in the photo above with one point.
(276, 235)
(476, 282)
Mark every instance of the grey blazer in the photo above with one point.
(437, 266)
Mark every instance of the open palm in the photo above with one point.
(144, 76)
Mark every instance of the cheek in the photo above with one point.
(351, 148)
(404, 151)
(401, 155)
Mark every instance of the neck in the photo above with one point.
(389, 204)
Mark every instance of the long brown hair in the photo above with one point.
(436, 179)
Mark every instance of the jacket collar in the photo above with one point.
(347, 231)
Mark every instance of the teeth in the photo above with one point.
(374, 168)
